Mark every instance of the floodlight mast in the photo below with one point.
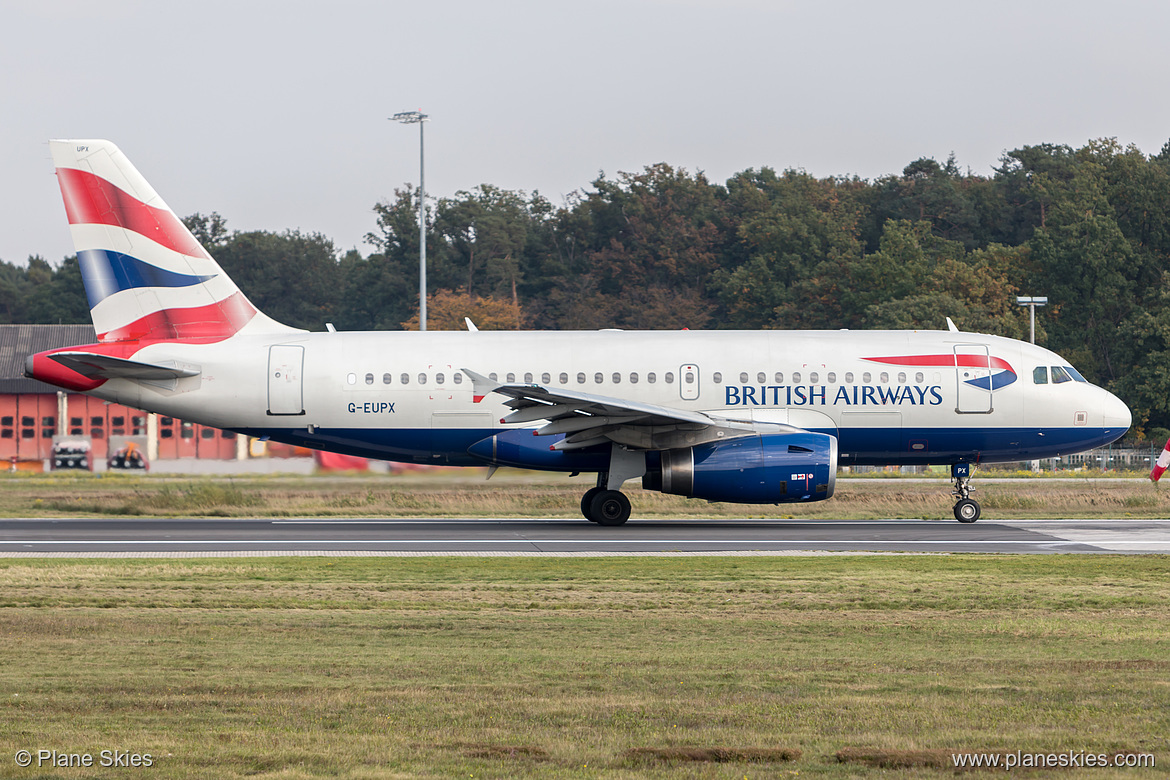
(411, 118)
(1032, 301)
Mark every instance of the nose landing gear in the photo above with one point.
(967, 509)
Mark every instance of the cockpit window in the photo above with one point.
(1059, 375)
(1040, 375)
(1076, 374)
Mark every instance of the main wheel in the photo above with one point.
(967, 511)
(587, 503)
(609, 507)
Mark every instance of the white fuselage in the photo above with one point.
(889, 396)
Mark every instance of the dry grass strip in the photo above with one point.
(896, 759)
(492, 750)
(718, 755)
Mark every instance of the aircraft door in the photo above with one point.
(973, 379)
(688, 382)
(285, 363)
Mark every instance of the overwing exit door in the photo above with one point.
(285, 395)
(688, 382)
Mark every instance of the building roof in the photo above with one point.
(19, 341)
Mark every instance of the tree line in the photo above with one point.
(665, 248)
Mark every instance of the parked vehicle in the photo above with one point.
(71, 454)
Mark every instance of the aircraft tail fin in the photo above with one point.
(146, 277)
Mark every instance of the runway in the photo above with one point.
(155, 537)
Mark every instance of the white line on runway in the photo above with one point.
(564, 541)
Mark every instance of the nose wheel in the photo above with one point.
(967, 509)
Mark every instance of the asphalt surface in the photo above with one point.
(486, 536)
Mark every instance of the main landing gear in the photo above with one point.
(603, 506)
(966, 508)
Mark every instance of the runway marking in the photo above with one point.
(561, 541)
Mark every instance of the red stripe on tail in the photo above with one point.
(203, 324)
(90, 200)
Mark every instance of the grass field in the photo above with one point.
(521, 494)
(616, 668)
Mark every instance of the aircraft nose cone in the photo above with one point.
(1115, 415)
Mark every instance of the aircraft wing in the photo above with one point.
(587, 419)
(105, 367)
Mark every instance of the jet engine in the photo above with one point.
(758, 469)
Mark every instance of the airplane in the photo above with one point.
(762, 417)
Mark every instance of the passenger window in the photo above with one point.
(422, 379)
(598, 378)
(901, 377)
(813, 378)
(369, 379)
(386, 379)
(511, 377)
(866, 378)
(617, 378)
(439, 379)
(351, 379)
(650, 377)
(919, 378)
(743, 377)
(689, 378)
(832, 378)
(564, 378)
(717, 378)
(761, 377)
(528, 377)
(580, 377)
(494, 376)
(458, 378)
(1059, 375)
(405, 379)
(1040, 375)
(633, 377)
(546, 378)
(779, 377)
(885, 378)
(796, 377)
(668, 377)
(848, 377)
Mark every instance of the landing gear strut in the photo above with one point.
(966, 508)
(603, 506)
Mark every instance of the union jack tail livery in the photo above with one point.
(146, 277)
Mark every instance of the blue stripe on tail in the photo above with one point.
(106, 272)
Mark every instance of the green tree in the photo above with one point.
(786, 226)
(292, 277)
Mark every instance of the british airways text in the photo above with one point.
(820, 395)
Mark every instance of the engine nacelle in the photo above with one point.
(761, 469)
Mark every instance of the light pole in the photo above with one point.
(411, 118)
(1032, 301)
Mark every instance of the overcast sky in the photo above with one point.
(275, 113)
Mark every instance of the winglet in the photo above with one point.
(951, 326)
(471, 325)
(480, 385)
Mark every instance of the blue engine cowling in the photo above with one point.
(761, 469)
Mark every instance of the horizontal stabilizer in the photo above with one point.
(105, 367)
